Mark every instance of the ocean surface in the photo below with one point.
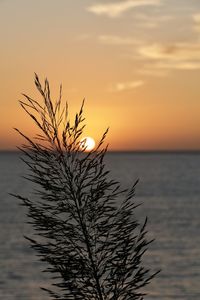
(169, 190)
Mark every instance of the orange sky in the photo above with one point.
(137, 63)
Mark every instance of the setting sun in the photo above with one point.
(87, 143)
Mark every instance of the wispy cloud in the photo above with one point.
(196, 18)
(151, 70)
(184, 56)
(116, 9)
(123, 86)
(181, 65)
(148, 21)
(118, 40)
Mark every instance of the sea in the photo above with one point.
(169, 194)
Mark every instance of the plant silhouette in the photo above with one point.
(84, 222)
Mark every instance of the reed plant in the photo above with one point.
(84, 222)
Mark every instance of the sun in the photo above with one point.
(87, 143)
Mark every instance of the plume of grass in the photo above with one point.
(93, 246)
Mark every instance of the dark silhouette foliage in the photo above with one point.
(84, 222)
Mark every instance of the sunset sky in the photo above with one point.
(137, 63)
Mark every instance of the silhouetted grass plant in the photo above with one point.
(93, 246)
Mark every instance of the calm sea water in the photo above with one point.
(169, 189)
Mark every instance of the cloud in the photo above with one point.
(149, 70)
(117, 40)
(183, 56)
(148, 21)
(196, 19)
(179, 65)
(123, 86)
(116, 9)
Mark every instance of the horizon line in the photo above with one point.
(129, 151)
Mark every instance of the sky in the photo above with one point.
(136, 62)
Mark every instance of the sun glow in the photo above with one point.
(87, 143)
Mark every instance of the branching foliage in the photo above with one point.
(93, 246)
